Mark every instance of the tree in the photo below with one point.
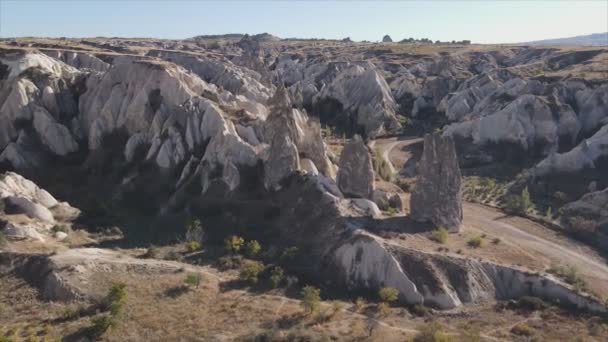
(252, 248)
(276, 276)
(250, 271)
(388, 294)
(233, 243)
(519, 204)
(311, 297)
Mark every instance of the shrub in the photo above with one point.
(440, 235)
(420, 310)
(519, 204)
(193, 280)
(194, 231)
(496, 241)
(151, 253)
(522, 330)
(360, 303)
(432, 332)
(531, 303)
(549, 213)
(383, 309)
(403, 185)
(252, 248)
(60, 228)
(582, 225)
(570, 275)
(470, 334)
(475, 242)
(230, 262)
(250, 271)
(388, 294)
(311, 297)
(289, 253)
(233, 243)
(276, 276)
(193, 246)
(100, 325)
(2, 239)
(336, 307)
(71, 312)
(116, 298)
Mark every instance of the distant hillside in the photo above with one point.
(594, 39)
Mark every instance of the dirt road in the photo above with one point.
(528, 237)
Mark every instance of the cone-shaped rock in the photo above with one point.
(356, 174)
(437, 196)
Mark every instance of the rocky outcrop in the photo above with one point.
(356, 173)
(437, 195)
(588, 218)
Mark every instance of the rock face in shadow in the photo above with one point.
(437, 197)
(356, 174)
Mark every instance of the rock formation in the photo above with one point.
(437, 195)
(356, 173)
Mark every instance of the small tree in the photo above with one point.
(432, 332)
(311, 297)
(250, 271)
(193, 280)
(359, 304)
(233, 243)
(276, 276)
(388, 294)
(100, 325)
(519, 204)
(252, 248)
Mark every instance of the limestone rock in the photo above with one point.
(282, 161)
(22, 205)
(437, 195)
(356, 173)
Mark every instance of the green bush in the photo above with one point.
(116, 298)
(252, 248)
(388, 294)
(193, 280)
(475, 242)
(100, 325)
(250, 271)
(420, 310)
(193, 246)
(233, 243)
(276, 276)
(2, 239)
(311, 297)
(440, 235)
(289, 253)
(519, 204)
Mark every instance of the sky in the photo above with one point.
(479, 21)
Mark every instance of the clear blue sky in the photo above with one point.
(479, 21)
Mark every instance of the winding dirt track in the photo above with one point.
(529, 237)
